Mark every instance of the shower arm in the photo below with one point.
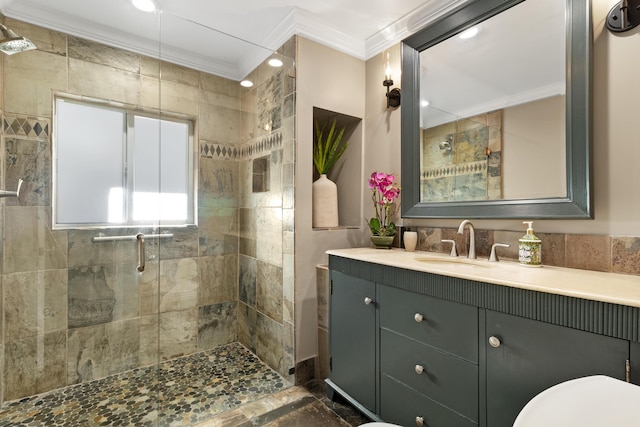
(7, 193)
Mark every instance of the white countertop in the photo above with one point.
(592, 285)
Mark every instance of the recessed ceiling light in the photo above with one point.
(246, 83)
(275, 62)
(144, 5)
(467, 34)
(424, 103)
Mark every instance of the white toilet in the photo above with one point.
(594, 401)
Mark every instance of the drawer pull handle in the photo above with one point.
(419, 421)
(419, 369)
(419, 317)
(368, 300)
(494, 341)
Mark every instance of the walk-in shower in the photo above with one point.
(101, 328)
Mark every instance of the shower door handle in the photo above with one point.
(138, 238)
(141, 255)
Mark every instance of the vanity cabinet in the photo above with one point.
(525, 357)
(353, 339)
(437, 351)
(428, 360)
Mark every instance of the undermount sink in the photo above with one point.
(464, 261)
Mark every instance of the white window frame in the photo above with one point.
(128, 166)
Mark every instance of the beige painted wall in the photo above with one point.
(333, 81)
(382, 125)
(616, 138)
(532, 135)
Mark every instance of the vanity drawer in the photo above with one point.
(444, 378)
(401, 405)
(447, 325)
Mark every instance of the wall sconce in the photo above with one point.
(393, 95)
(624, 16)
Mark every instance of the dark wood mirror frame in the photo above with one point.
(577, 203)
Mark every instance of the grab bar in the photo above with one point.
(139, 238)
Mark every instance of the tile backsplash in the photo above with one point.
(615, 254)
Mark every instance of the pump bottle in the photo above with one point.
(530, 248)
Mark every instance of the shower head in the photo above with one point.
(12, 43)
(446, 145)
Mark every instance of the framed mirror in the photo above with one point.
(499, 125)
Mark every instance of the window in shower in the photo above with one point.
(117, 167)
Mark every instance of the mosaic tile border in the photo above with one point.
(212, 150)
(464, 169)
(26, 126)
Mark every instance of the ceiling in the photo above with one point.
(230, 38)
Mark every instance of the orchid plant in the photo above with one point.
(384, 191)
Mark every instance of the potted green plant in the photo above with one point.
(328, 147)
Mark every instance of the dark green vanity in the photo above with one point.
(417, 348)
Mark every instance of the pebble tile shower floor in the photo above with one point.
(180, 392)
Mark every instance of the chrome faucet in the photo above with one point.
(471, 253)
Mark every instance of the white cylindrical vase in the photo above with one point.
(325, 203)
(410, 240)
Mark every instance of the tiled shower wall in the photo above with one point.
(470, 168)
(266, 283)
(56, 284)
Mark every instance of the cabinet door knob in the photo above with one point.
(419, 317)
(494, 341)
(419, 421)
(419, 369)
(368, 300)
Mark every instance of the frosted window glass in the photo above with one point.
(89, 147)
(160, 146)
(115, 167)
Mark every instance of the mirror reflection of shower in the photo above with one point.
(12, 43)
(447, 145)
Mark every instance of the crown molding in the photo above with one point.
(64, 23)
(407, 25)
(319, 31)
(296, 22)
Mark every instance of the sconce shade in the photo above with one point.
(624, 16)
(12, 43)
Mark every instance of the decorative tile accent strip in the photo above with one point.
(211, 150)
(184, 391)
(264, 145)
(466, 168)
(32, 127)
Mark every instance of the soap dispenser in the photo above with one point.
(530, 248)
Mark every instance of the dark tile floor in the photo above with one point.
(224, 387)
(295, 407)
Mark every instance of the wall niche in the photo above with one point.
(347, 172)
